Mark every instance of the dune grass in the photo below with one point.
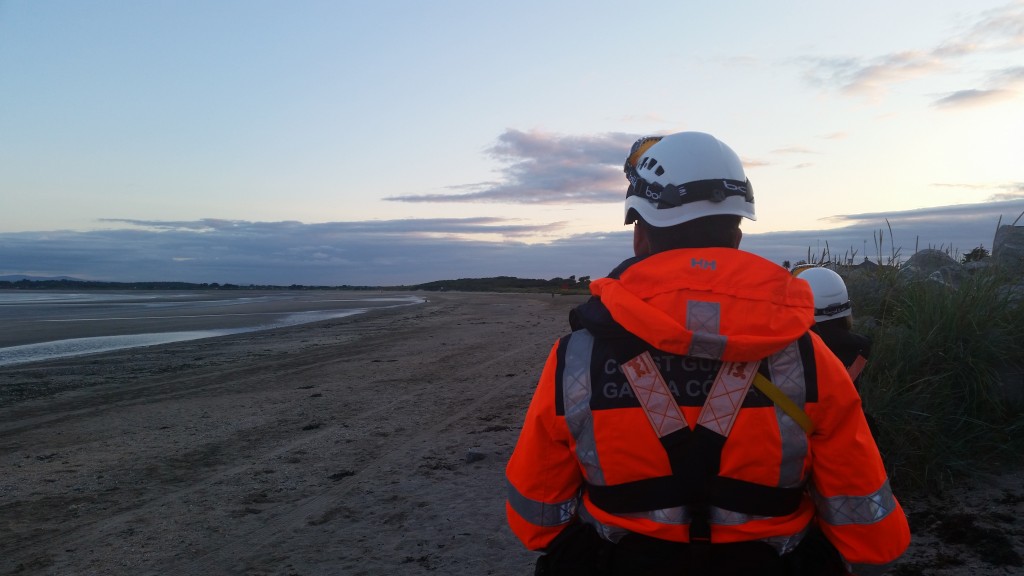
(943, 387)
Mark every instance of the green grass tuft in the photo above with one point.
(943, 384)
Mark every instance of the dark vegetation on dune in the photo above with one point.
(944, 392)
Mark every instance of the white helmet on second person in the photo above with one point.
(684, 176)
(831, 300)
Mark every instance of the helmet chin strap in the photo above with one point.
(641, 242)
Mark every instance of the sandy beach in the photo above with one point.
(366, 445)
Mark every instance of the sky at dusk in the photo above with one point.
(400, 142)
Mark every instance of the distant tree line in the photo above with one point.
(509, 284)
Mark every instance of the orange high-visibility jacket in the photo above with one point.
(588, 451)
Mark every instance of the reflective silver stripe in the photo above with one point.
(702, 319)
(673, 516)
(576, 392)
(786, 544)
(681, 515)
(729, 517)
(869, 509)
(787, 373)
(542, 513)
(706, 346)
(607, 531)
(655, 398)
(726, 397)
(718, 516)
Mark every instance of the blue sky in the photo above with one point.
(397, 142)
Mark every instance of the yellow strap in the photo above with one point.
(782, 401)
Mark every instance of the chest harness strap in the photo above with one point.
(694, 455)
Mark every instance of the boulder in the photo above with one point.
(1008, 247)
(934, 265)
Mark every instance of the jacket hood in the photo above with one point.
(718, 303)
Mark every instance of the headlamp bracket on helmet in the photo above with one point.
(833, 309)
(672, 195)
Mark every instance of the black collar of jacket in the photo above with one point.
(595, 317)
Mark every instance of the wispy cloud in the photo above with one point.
(1009, 76)
(996, 31)
(1012, 191)
(788, 151)
(754, 163)
(544, 168)
(938, 215)
(793, 150)
(973, 97)
(875, 76)
(1000, 192)
(870, 77)
(1001, 85)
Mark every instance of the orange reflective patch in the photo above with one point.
(726, 397)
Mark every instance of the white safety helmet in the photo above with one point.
(831, 300)
(684, 176)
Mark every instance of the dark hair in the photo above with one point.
(717, 231)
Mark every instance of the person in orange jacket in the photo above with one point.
(692, 423)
